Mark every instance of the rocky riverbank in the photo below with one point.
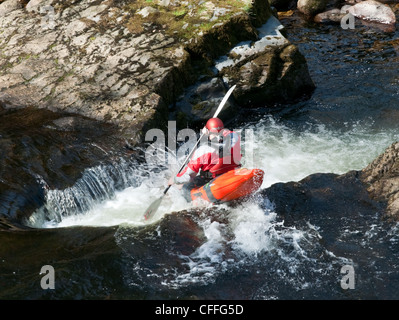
(125, 62)
(331, 197)
(102, 72)
(93, 76)
(382, 180)
(293, 250)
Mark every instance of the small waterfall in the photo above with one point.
(96, 185)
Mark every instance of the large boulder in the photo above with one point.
(100, 60)
(43, 150)
(330, 196)
(373, 11)
(333, 16)
(199, 101)
(120, 62)
(267, 71)
(322, 197)
(382, 179)
(311, 7)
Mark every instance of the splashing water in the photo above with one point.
(121, 192)
(291, 154)
(108, 195)
(249, 252)
(246, 239)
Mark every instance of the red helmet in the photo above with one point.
(214, 125)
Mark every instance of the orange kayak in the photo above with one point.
(230, 186)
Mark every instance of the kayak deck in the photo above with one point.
(229, 186)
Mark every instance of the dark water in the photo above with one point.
(355, 71)
(247, 252)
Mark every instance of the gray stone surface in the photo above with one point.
(108, 61)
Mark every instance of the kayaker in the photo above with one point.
(222, 153)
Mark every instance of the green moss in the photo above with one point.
(50, 95)
(4, 67)
(27, 56)
(180, 12)
(184, 20)
(64, 76)
(198, 107)
(135, 24)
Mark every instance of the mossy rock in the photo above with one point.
(311, 7)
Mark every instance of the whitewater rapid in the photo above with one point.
(120, 193)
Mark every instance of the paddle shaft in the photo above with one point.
(221, 105)
(154, 206)
(167, 188)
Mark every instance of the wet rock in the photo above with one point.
(179, 232)
(266, 71)
(326, 198)
(328, 201)
(44, 150)
(382, 179)
(119, 62)
(311, 7)
(200, 101)
(114, 260)
(318, 194)
(373, 11)
(333, 16)
(72, 252)
(162, 246)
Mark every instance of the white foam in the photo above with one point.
(207, 261)
(284, 154)
(95, 201)
(291, 155)
(250, 225)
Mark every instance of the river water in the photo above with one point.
(94, 236)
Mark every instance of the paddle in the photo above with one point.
(155, 205)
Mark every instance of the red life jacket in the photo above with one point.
(217, 158)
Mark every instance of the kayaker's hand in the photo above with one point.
(205, 131)
(171, 181)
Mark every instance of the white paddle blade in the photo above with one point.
(223, 102)
(149, 213)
